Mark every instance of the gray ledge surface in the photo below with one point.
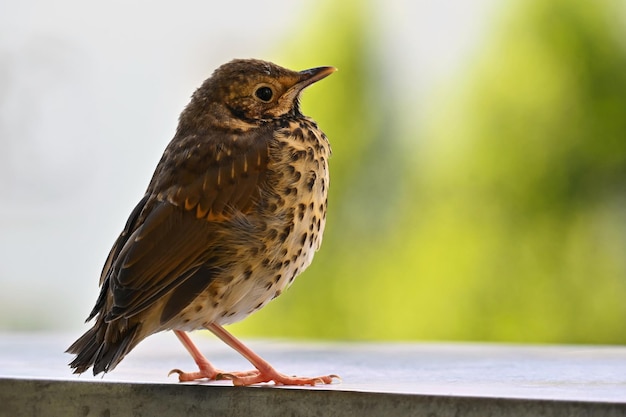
(391, 379)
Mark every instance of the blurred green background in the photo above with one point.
(489, 205)
(496, 211)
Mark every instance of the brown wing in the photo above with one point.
(171, 239)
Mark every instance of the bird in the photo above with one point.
(234, 212)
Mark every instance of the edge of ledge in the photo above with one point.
(43, 397)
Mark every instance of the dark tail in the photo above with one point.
(103, 347)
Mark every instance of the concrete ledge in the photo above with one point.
(71, 398)
(390, 379)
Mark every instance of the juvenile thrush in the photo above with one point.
(234, 212)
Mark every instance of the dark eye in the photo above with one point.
(264, 94)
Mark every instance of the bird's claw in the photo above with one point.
(193, 376)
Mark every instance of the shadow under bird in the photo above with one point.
(234, 212)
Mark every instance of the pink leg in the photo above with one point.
(206, 370)
(265, 372)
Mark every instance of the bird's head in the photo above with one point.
(246, 92)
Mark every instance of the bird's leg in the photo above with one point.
(265, 371)
(206, 370)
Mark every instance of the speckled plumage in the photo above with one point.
(234, 212)
(272, 247)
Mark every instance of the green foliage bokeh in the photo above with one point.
(501, 217)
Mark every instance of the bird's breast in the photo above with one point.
(300, 161)
(293, 210)
(278, 237)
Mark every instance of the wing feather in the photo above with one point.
(173, 236)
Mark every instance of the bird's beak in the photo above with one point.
(312, 75)
(304, 79)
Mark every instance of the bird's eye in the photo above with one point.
(264, 94)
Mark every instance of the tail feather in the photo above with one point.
(95, 349)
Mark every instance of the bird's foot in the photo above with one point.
(264, 372)
(257, 377)
(207, 371)
(204, 372)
